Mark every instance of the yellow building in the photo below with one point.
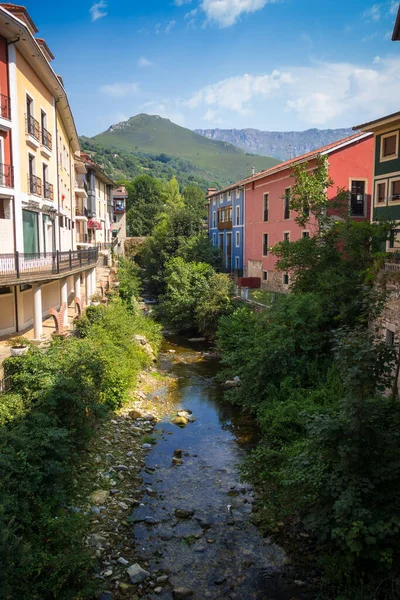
(43, 182)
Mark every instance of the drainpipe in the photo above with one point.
(72, 197)
(58, 179)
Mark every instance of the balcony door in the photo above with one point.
(30, 231)
(48, 236)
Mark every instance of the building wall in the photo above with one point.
(66, 197)
(353, 162)
(386, 172)
(232, 200)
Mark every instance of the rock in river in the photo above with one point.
(137, 574)
(181, 513)
(181, 593)
(180, 421)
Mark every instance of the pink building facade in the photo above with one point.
(269, 220)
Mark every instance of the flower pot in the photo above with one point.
(18, 350)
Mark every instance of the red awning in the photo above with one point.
(91, 224)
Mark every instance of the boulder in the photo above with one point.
(178, 453)
(99, 496)
(177, 462)
(180, 421)
(182, 513)
(181, 593)
(135, 414)
(137, 574)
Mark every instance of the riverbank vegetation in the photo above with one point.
(57, 398)
(316, 375)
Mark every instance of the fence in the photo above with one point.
(20, 265)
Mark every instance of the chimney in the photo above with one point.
(253, 171)
(211, 191)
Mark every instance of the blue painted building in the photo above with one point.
(226, 225)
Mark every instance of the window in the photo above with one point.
(357, 195)
(214, 239)
(285, 279)
(29, 107)
(115, 218)
(237, 239)
(286, 236)
(380, 193)
(221, 242)
(395, 190)
(265, 244)
(266, 203)
(5, 212)
(228, 196)
(238, 215)
(24, 286)
(61, 221)
(237, 193)
(214, 219)
(214, 202)
(306, 234)
(237, 263)
(5, 290)
(389, 146)
(390, 337)
(286, 209)
(265, 275)
(221, 197)
(391, 239)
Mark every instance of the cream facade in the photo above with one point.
(43, 182)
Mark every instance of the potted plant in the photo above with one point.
(95, 299)
(18, 345)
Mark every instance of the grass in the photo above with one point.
(155, 135)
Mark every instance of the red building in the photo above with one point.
(268, 218)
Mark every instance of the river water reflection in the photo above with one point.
(218, 553)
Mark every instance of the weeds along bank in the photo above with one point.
(57, 398)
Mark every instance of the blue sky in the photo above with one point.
(274, 65)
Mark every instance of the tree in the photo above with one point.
(144, 204)
(195, 200)
(215, 302)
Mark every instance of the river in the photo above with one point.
(217, 552)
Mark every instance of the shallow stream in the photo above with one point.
(217, 552)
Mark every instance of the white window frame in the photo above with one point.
(286, 233)
(221, 198)
(391, 181)
(237, 193)
(265, 196)
(265, 275)
(385, 183)
(214, 221)
(237, 239)
(262, 247)
(237, 262)
(228, 196)
(392, 156)
(283, 279)
(305, 231)
(237, 216)
(214, 201)
(214, 238)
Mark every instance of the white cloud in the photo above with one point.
(377, 60)
(170, 25)
(373, 13)
(144, 62)
(236, 92)
(182, 2)
(323, 94)
(120, 90)
(97, 10)
(225, 13)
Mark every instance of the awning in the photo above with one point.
(91, 224)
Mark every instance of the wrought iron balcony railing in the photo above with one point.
(34, 185)
(5, 109)
(47, 140)
(48, 191)
(32, 126)
(6, 176)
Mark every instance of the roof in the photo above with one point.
(396, 30)
(47, 52)
(120, 192)
(371, 125)
(328, 149)
(22, 13)
(89, 162)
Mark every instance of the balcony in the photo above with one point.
(6, 176)
(81, 212)
(80, 188)
(40, 266)
(47, 143)
(32, 131)
(34, 185)
(48, 191)
(224, 225)
(119, 207)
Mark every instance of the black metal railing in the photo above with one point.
(25, 266)
(47, 140)
(104, 245)
(356, 208)
(48, 191)
(6, 176)
(81, 211)
(5, 109)
(32, 126)
(34, 185)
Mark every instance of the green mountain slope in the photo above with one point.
(212, 160)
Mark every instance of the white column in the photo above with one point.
(94, 286)
(64, 298)
(77, 285)
(37, 311)
(85, 283)
(88, 286)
